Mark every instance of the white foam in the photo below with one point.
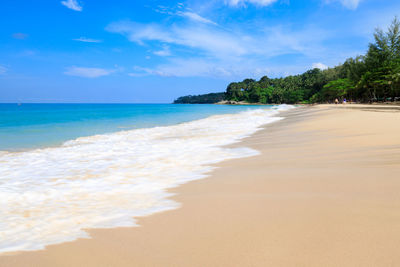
(50, 195)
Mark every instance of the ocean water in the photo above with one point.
(30, 126)
(66, 168)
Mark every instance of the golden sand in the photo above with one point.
(324, 192)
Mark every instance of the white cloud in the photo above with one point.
(165, 52)
(197, 67)
(87, 40)
(72, 4)
(209, 40)
(87, 72)
(185, 13)
(350, 4)
(184, 68)
(3, 70)
(139, 33)
(217, 42)
(210, 50)
(256, 2)
(320, 66)
(195, 17)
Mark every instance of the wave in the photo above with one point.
(51, 195)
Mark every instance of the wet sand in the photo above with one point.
(325, 191)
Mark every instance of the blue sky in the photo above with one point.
(154, 51)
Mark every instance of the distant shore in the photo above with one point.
(229, 102)
(323, 192)
(244, 103)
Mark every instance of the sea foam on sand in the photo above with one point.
(50, 195)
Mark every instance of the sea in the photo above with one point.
(65, 168)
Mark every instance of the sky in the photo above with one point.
(124, 51)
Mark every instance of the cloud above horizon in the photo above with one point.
(72, 4)
(87, 72)
(87, 40)
(164, 52)
(215, 51)
(350, 4)
(207, 39)
(181, 11)
(319, 65)
(255, 2)
(195, 17)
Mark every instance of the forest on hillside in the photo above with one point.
(201, 99)
(372, 77)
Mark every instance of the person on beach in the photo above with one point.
(336, 101)
(344, 101)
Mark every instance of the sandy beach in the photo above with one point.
(325, 191)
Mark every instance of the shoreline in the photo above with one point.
(272, 208)
(55, 138)
(124, 175)
(244, 103)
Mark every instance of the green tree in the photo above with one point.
(336, 89)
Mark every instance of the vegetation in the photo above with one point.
(201, 99)
(372, 77)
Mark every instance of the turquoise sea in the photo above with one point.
(65, 168)
(30, 126)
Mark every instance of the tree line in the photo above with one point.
(201, 99)
(372, 77)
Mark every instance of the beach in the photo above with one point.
(324, 191)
